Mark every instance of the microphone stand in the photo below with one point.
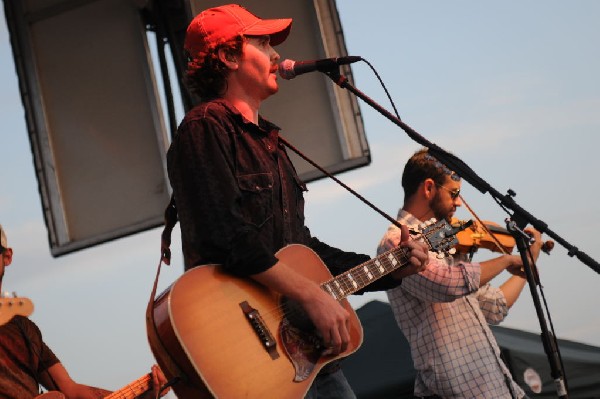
(522, 239)
(521, 219)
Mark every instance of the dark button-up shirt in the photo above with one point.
(238, 196)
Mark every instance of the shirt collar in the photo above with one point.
(408, 218)
(264, 125)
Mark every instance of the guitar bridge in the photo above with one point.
(260, 328)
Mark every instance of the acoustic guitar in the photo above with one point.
(220, 336)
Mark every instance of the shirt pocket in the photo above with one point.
(257, 197)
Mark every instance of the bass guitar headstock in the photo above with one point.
(12, 306)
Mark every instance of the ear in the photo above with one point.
(7, 255)
(428, 188)
(228, 59)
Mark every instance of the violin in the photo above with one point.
(475, 236)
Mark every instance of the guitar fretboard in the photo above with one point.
(364, 274)
(130, 391)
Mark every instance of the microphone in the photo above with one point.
(289, 69)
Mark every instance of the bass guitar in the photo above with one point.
(129, 391)
(220, 336)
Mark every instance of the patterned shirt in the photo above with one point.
(444, 315)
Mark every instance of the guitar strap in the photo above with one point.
(165, 238)
(338, 181)
(165, 256)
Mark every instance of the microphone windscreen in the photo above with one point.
(286, 69)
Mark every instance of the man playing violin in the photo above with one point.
(444, 310)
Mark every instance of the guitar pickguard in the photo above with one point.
(303, 347)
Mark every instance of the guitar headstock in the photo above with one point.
(12, 306)
(440, 236)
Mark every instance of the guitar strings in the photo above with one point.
(347, 283)
(136, 388)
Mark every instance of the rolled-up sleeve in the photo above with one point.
(492, 303)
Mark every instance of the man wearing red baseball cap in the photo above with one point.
(237, 194)
(219, 24)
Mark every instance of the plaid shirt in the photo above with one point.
(444, 314)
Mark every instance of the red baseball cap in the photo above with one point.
(219, 24)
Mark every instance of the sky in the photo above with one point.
(511, 88)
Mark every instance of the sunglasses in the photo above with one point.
(454, 194)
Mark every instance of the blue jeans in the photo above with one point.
(330, 386)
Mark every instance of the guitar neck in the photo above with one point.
(133, 390)
(364, 274)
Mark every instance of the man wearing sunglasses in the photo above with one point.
(444, 310)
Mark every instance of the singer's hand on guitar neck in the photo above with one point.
(418, 255)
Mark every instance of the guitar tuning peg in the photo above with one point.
(440, 255)
(452, 251)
